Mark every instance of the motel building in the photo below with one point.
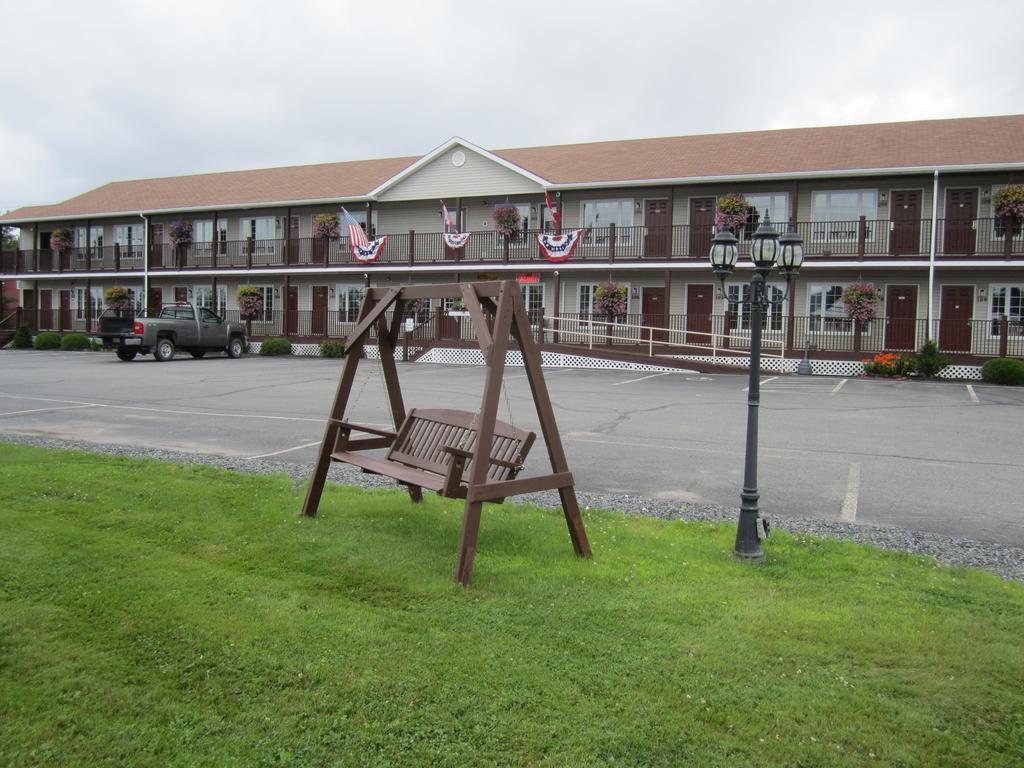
(904, 206)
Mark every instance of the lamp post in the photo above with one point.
(766, 249)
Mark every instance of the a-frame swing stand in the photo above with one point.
(459, 454)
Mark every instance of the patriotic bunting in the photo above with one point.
(370, 251)
(456, 240)
(559, 247)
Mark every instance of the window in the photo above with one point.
(135, 299)
(95, 235)
(204, 298)
(777, 206)
(739, 313)
(1007, 300)
(267, 294)
(585, 305)
(826, 311)
(130, 238)
(598, 215)
(350, 298)
(83, 298)
(837, 213)
(533, 298)
(203, 235)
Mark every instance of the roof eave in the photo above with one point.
(846, 173)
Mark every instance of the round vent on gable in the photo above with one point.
(458, 158)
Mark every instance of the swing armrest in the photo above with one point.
(347, 425)
(469, 455)
(458, 452)
(453, 477)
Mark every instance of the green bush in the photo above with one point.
(75, 341)
(332, 349)
(47, 340)
(929, 360)
(276, 347)
(1004, 370)
(22, 337)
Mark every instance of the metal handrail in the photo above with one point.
(650, 336)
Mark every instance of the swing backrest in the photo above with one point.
(425, 433)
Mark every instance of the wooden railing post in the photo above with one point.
(438, 319)
(611, 243)
(504, 249)
(856, 334)
(1004, 334)
(117, 257)
(412, 246)
(1008, 224)
(862, 236)
(249, 242)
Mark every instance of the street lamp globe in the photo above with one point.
(791, 251)
(764, 248)
(724, 252)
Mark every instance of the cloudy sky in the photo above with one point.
(106, 90)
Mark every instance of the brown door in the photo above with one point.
(702, 221)
(156, 299)
(905, 214)
(653, 307)
(656, 236)
(955, 320)
(901, 317)
(46, 309)
(293, 240)
(961, 209)
(291, 322)
(319, 325)
(700, 301)
(65, 311)
(28, 303)
(45, 258)
(180, 295)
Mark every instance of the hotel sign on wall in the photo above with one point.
(523, 278)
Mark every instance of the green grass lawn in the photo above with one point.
(155, 614)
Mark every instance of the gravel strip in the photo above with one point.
(1006, 561)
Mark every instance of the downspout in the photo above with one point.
(145, 262)
(931, 254)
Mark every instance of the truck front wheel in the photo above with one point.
(235, 348)
(123, 353)
(164, 350)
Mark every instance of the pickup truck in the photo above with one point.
(192, 329)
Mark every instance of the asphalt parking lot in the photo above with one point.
(942, 457)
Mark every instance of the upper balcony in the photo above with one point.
(863, 240)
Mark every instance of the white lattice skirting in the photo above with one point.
(464, 356)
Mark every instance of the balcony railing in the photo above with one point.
(859, 240)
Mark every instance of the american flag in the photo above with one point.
(356, 235)
(555, 215)
(447, 216)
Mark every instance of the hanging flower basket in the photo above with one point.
(117, 298)
(180, 233)
(611, 299)
(861, 301)
(250, 302)
(1008, 202)
(326, 225)
(507, 220)
(62, 240)
(733, 212)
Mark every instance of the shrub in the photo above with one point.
(74, 341)
(332, 349)
(889, 364)
(47, 340)
(929, 360)
(22, 337)
(1004, 370)
(276, 347)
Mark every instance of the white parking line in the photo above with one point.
(848, 512)
(642, 378)
(972, 393)
(838, 386)
(286, 450)
(38, 410)
(763, 381)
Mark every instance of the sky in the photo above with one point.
(110, 90)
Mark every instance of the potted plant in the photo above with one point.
(507, 220)
(458, 309)
(325, 225)
(733, 213)
(1008, 205)
(118, 299)
(861, 301)
(180, 233)
(611, 299)
(62, 240)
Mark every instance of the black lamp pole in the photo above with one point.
(766, 247)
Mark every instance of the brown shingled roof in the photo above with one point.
(922, 143)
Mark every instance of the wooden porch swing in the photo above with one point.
(458, 454)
